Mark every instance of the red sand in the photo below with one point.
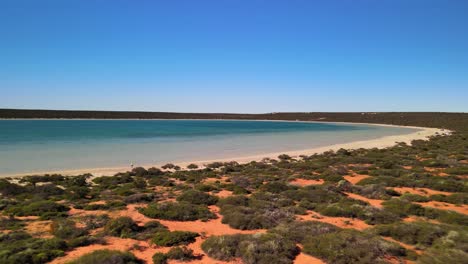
(420, 191)
(223, 193)
(355, 178)
(307, 259)
(342, 222)
(114, 243)
(462, 209)
(304, 182)
(374, 202)
(414, 218)
(39, 228)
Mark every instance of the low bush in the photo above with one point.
(107, 257)
(123, 227)
(258, 248)
(159, 258)
(42, 208)
(414, 233)
(20, 247)
(139, 198)
(168, 239)
(403, 208)
(180, 211)
(350, 246)
(94, 221)
(298, 231)
(66, 229)
(197, 197)
(181, 253)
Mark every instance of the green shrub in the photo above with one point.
(107, 257)
(181, 211)
(168, 239)
(123, 227)
(159, 258)
(180, 253)
(403, 208)
(197, 197)
(258, 248)
(20, 247)
(37, 208)
(298, 231)
(414, 198)
(414, 233)
(66, 229)
(94, 221)
(350, 246)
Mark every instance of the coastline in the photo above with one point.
(386, 141)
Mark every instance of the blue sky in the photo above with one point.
(234, 56)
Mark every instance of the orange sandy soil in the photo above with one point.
(355, 178)
(414, 218)
(213, 180)
(420, 191)
(223, 193)
(141, 249)
(337, 221)
(303, 258)
(407, 167)
(374, 202)
(304, 182)
(307, 259)
(462, 209)
(39, 228)
(439, 171)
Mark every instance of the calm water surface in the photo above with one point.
(48, 145)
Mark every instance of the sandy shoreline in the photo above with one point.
(383, 142)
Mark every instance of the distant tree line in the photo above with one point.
(455, 121)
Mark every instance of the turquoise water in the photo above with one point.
(48, 145)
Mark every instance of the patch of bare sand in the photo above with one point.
(374, 202)
(305, 182)
(342, 222)
(223, 179)
(39, 228)
(419, 191)
(141, 249)
(462, 209)
(355, 178)
(303, 258)
(414, 218)
(223, 193)
(436, 171)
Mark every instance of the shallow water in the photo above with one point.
(50, 145)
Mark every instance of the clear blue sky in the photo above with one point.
(234, 56)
